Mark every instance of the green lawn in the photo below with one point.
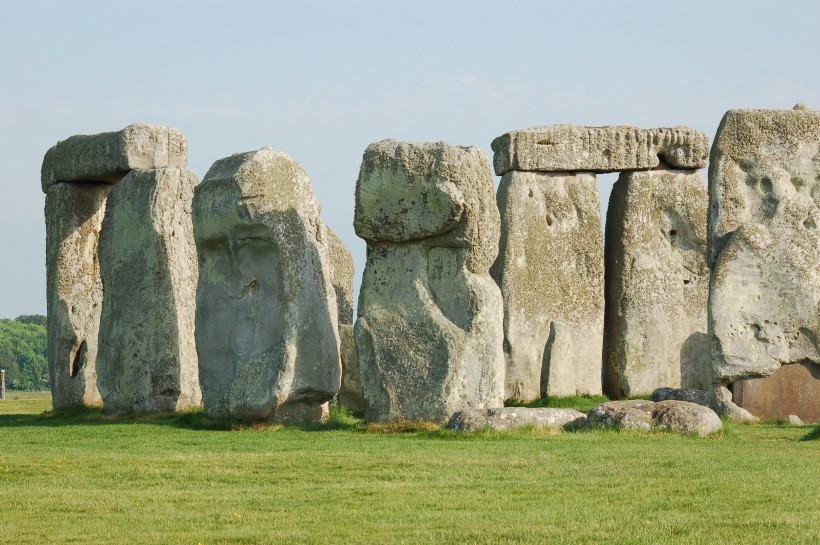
(85, 479)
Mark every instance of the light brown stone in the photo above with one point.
(793, 389)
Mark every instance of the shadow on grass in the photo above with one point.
(813, 435)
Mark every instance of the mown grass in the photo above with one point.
(83, 478)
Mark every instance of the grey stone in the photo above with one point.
(670, 415)
(109, 156)
(147, 355)
(764, 300)
(301, 413)
(551, 272)
(266, 318)
(685, 417)
(429, 332)
(350, 395)
(507, 418)
(794, 419)
(73, 215)
(657, 283)
(700, 397)
(341, 275)
(572, 148)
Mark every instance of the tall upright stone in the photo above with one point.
(764, 300)
(429, 333)
(551, 273)
(147, 355)
(657, 283)
(76, 177)
(266, 318)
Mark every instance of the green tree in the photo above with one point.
(23, 354)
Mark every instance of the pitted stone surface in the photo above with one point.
(764, 178)
(508, 418)
(657, 283)
(680, 416)
(109, 156)
(574, 148)
(550, 268)
(147, 355)
(74, 216)
(429, 328)
(266, 318)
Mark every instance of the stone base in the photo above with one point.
(791, 390)
(301, 413)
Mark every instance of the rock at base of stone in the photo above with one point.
(109, 156)
(550, 269)
(700, 397)
(74, 215)
(793, 389)
(267, 330)
(657, 284)
(562, 148)
(720, 400)
(429, 330)
(301, 413)
(509, 418)
(147, 358)
(350, 395)
(671, 415)
(795, 420)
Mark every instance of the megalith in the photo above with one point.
(657, 283)
(77, 175)
(764, 247)
(147, 354)
(550, 268)
(429, 328)
(266, 316)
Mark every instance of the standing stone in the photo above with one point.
(76, 175)
(266, 318)
(764, 300)
(657, 283)
(429, 334)
(551, 273)
(147, 355)
(572, 148)
(341, 272)
(792, 390)
(74, 214)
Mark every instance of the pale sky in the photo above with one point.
(321, 80)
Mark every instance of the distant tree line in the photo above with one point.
(23, 352)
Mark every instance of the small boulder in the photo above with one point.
(701, 397)
(685, 417)
(508, 418)
(631, 414)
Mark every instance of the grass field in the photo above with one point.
(170, 479)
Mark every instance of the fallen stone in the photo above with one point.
(794, 389)
(266, 317)
(671, 415)
(508, 418)
(700, 397)
(74, 291)
(147, 358)
(429, 330)
(685, 417)
(573, 148)
(795, 420)
(550, 268)
(657, 283)
(764, 300)
(109, 156)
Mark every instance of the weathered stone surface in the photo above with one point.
(572, 148)
(657, 283)
(109, 156)
(266, 317)
(701, 397)
(551, 272)
(764, 178)
(685, 417)
(341, 275)
(671, 415)
(793, 389)
(147, 358)
(633, 414)
(350, 395)
(301, 413)
(429, 328)
(74, 215)
(507, 418)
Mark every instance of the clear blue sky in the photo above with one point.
(321, 80)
